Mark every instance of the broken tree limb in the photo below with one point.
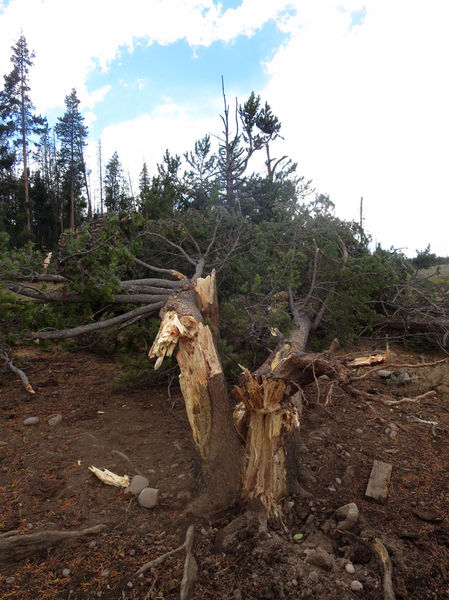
(17, 547)
(387, 570)
(22, 376)
(62, 334)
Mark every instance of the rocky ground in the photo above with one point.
(77, 421)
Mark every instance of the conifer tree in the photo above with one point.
(72, 134)
(17, 112)
(116, 191)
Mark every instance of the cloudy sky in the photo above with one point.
(360, 86)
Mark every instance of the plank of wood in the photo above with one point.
(379, 481)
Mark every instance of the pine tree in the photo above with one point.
(17, 112)
(116, 191)
(72, 134)
(144, 191)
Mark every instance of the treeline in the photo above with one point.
(44, 179)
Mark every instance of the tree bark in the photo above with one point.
(204, 391)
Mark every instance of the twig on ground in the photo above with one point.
(23, 378)
(160, 559)
(433, 424)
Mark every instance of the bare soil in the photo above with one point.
(45, 484)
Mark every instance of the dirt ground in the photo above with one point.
(45, 484)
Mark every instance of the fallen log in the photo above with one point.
(15, 547)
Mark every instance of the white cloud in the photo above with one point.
(365, 112)
(71, 37)
(146, 138)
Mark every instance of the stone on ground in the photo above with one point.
(149, 497)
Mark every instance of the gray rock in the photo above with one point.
(347, 516)
(149, 497)
(31, 421)
(404, 377)
(10, 580)
(66, 572)
(384, 374)
(54, 420)
(319, 558)
(349, 568)
(359, 431)
(356, 586)
(137, 484)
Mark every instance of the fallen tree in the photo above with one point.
(310, 272)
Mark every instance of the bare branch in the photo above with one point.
(162, 283)
(76, 331)
(23, 378)
(158, 269)
(173, 245)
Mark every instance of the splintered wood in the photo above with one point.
(171, 329)
(366, 361)
(199, 362)
(263, 417)
(197, 358)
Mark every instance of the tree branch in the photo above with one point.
(63, 334)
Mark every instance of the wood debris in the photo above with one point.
(110, 478)
(379, 481)
(373, 359)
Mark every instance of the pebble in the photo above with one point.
(319, 558)
(10, 580)
(54, 420)
(356, 586)
(65, 572)
(92, 544)
(105, 573)
(359, 431)
(349, 568)
(31, 421)
(338, 480)
(384, 374)
(149, 497)
(138, 483)
(129, 584)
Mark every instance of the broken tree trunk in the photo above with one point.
(268, 415)
(204, 390)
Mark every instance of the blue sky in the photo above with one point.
(360, 87)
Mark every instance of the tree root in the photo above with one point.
(387, 570)
(14, 547)
(387, 401)
(23, 378)
(190, 566)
